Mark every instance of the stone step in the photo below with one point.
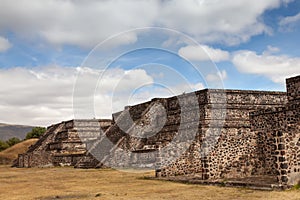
(87, 128)
(85, 165)
(88, 133)
(83, 131)
(86, 123)
(101, 150)
(87, 162)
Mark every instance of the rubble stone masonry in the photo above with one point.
(278, 130)
(210, 134)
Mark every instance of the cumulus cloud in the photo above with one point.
(4, 44)
(44, 95)
(34, 96)
(274, 67)
(85, 24)
(41, 96)
(219, 76)
(287, 1)
(74, 22)
(148, 93)
(289, 23)
(271, 50)
(203, 53)
(229, 22)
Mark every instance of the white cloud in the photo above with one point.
(203, 53)
(44, 95)
(290, 22)
(287, 1)
(4, 44)
(220, 76)
(162, 92)
(225, 21)
(87, 23)
(271, 50)
(75, 22)
(185, 88)
(274, 67)
(41, 96)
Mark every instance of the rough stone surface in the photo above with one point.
(63, 144)
(279, 137)
(210, 134)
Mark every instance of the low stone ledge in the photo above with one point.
(258, 185)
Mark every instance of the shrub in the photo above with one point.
(12, 141)
(36, 132)
(3, 145)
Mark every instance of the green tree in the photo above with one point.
(12, 141)
(36, 132)
(3, 145)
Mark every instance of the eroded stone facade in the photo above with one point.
(278, 130)
(210, 134)
(224, 147)
(63, 144)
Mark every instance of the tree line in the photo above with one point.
(36, 132)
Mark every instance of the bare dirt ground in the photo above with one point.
(69, 183)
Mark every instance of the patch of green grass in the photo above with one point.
(296, 187)
(223, 184)
(145, 178)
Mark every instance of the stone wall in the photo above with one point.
(211, 134)
(279, 152)
(63, 144)
(293, 89)
(279, 130)
(183, 128)
(212, 121)
(224, 147)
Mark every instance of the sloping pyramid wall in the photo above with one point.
(62, 144)
(206, 133)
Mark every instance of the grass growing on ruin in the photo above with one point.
(69, 183)
(297, 186)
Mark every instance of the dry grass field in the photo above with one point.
(69, 183)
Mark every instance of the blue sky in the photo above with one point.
(46, 45)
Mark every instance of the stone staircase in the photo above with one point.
(87, 130)
(101, 147)
(63, 144)
(75, 139)
(110, 148)
(102, 150)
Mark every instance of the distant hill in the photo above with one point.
(8, 131)
(9, 155)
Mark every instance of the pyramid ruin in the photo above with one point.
(207, 135)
